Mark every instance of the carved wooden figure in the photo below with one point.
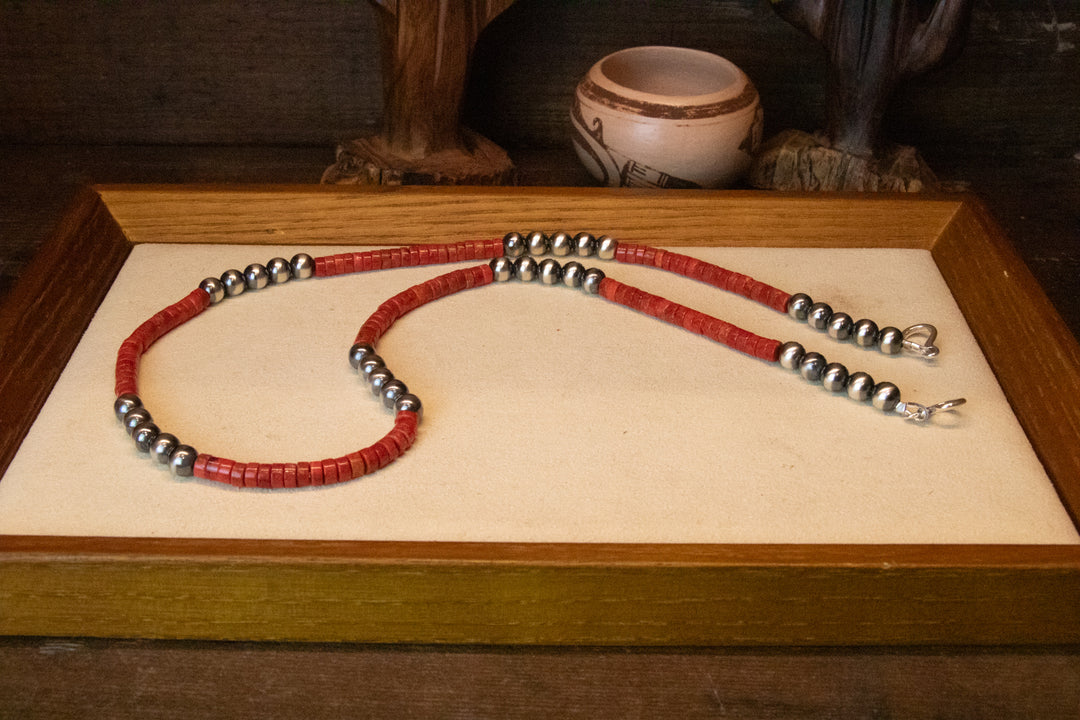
(426, 46)
(872, 46)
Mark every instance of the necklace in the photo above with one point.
(515, 256)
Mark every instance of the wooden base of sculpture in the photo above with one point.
(370, 161)
(795, 160)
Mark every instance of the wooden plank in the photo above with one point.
(46, 678)
(539, 593)
(43, 318)
(351, 216)
(1034, 355)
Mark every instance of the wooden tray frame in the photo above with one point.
(416, 592)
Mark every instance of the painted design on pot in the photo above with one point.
(609, 165)
(666, 117)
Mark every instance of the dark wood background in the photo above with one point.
(261, 91)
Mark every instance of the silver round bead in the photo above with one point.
(302, 265)
(835, 377)
(572, 274)
(818, 316)
(409, 403)
(562, 244)
(550, 271)
(233, 280)
(606, 247)
(182, 460)
(584, 245)
(590, 281)
(378, 378)
(214, 288)
(135, 417)
(537, 243)
(886, 396)
(791, 354)
(144, 436)
(162, 447)
(798, 306)
(370, 364)
(279, 270)
(358, 352)
(513, 245)
(124, 404)
(812, 366)
(526, 268)
(840, 325)
(865, 333)
(860, 386)
(256, 277)
(392, 390)
(890, 340)
(502, 269)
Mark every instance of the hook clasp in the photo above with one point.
(919, 340)
(921, 413)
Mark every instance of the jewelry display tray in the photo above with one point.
(543, 592)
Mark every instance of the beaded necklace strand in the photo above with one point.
(515, 256)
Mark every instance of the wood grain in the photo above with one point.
(45, 678)
(1034, 356)
(348, 216)
(539, 593)
(43, 318)
(570, 594)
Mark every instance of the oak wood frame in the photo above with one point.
(545, 593)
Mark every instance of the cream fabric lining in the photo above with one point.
(549, 416)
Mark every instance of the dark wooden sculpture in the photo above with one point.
(872, 45)
(426, 46)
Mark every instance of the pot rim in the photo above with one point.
(606, 84)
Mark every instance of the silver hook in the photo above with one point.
(921, 413)
(919, 340)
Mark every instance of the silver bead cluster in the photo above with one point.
(560, 244)
(839, 325)
(163, 447)
(835, 377)
(257, 276)
(548, 271)
(393, 392)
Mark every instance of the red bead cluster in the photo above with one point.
(304, 474)
(408, 256)
(696, 322)
(404, 302)
(704, 272)
(172, 317)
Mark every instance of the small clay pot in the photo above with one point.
(666, 117)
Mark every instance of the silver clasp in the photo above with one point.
(921, 413)
(919, 340)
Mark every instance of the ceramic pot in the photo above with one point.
(666, 117)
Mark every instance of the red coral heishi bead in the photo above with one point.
(223, 474)
(303, 474)
(316, 473)
(251, 475)
(329, 471)
(383, 453)
(359, 467)
(371, 458)
(288, 475)
(236, 476)
(344, 469)
(277, 475)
